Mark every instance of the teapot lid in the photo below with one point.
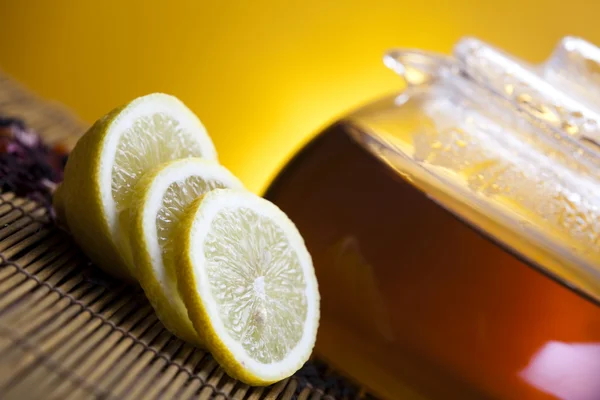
(510, 147)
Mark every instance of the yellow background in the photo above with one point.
(262, 75)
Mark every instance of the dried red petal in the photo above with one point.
(28, 166)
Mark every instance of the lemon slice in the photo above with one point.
(159, 200)
(109, 159)
(248, 283)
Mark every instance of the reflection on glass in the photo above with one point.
(566, 370)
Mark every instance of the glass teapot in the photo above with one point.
(455, 227)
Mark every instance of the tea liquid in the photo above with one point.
(416, 303)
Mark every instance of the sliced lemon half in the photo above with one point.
(249, 285)
(157, 205)
(109, 159)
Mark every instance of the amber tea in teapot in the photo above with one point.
(455, 228)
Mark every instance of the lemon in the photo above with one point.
(159, 200)
(249, 285)
(107, 162)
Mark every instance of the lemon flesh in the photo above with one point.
(148, 141)
(110, 158)
(158, 202)
(249, 285)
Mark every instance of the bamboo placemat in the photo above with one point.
(67, 331)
